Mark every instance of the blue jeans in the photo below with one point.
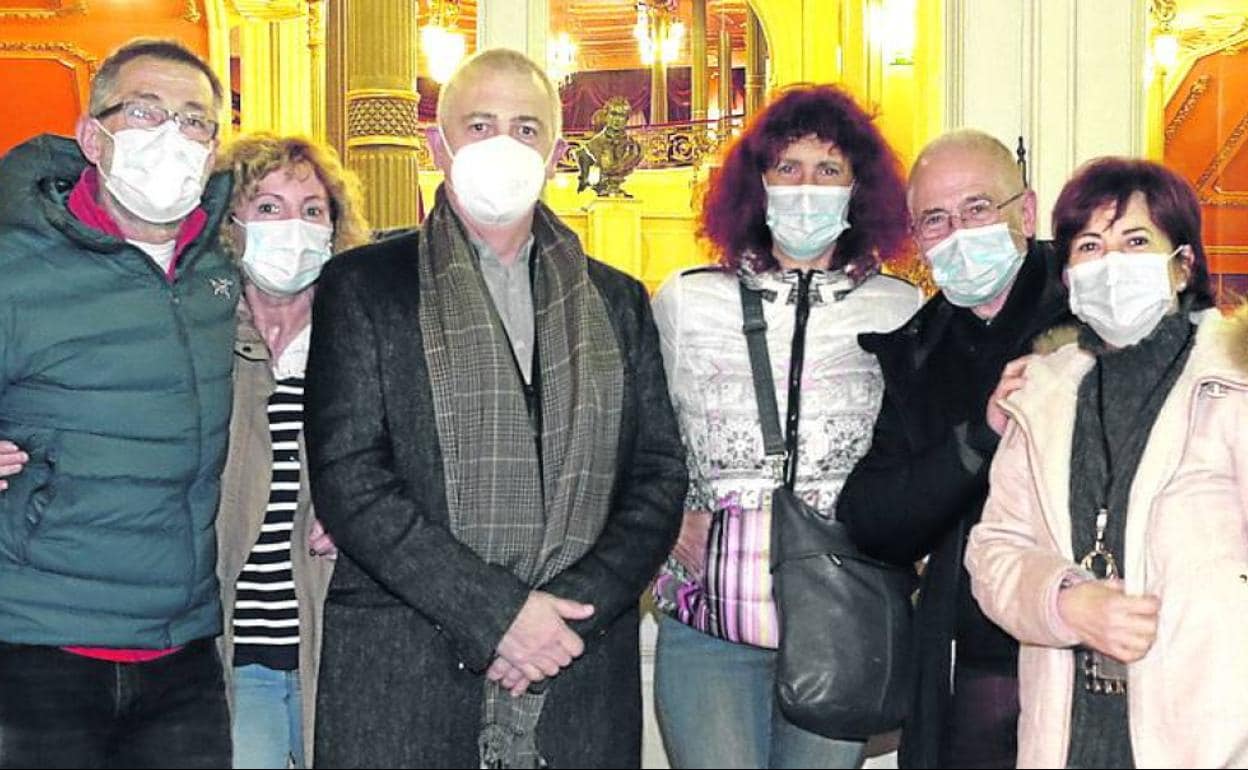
(63, 710)
(268, 718)
(716, 707)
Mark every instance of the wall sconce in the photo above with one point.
(1166, 50)
(561, 59)
(659, 31)
(892, 24)
(1165, 42)
(442, 43)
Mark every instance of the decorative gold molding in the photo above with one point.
(390, 114)
(1216, 32)
(1162, 11)
(1225, 203)
(1228, 148)
(58, 9)
(192, 12)
(1194, 93)
(63, 51)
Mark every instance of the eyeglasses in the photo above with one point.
(977, 212)
(194, 125)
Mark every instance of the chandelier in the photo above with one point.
(659, 31)
(443, 44)
(561, 59)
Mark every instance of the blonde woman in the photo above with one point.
(293, 207)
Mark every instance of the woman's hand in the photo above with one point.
(690, 548)
(1109, 621)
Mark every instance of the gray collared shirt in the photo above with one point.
(513, 299)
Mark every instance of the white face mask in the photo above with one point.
(1122, 296)
(157, 174)
(806, 219)
(972, 266)
(285, 256)
(496, 180)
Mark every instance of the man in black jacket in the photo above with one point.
(923, 483)
(493, 450)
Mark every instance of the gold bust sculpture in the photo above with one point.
(612, 150)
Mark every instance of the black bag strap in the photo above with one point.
(781, 448)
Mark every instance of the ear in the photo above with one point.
(1187, 257)
(561, 149)
(1184, 260)
(1029, 214)
(91, 139)
(441, 153)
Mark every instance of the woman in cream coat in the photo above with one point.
(1140, 560)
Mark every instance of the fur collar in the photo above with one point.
(1234, 335)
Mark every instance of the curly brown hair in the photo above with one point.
(252, 157)
(734, 212)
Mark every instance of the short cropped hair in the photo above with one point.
(105, 81)
(505, 60)
(982, 144)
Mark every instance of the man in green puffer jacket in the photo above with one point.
(116, 338)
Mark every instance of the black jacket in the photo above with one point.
(923, 483)
(413, 616)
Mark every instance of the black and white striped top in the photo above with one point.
(266, 612)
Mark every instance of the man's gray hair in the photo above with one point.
(980, 142)
(104, 85)
(504, 60)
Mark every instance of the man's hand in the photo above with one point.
(320, 543)
(12, 460)
(1012, 378)
(1109, 621)
(690, 549)
(539, 643)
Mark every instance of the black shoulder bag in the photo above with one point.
(844, 668)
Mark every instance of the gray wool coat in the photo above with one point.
(413, 616)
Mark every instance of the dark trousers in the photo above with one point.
(63, 710)
(982, 727)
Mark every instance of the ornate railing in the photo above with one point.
(667, 145)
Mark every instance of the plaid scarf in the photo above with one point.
(535, 515)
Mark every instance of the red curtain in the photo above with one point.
(586, 92)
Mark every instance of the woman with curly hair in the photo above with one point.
(293, 207)
(808, 204)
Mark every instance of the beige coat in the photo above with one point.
(244, 496)
(1186, 542)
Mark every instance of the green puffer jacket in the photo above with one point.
(117, 383)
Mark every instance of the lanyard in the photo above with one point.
(1100, 555)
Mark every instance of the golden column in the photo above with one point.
(316, 51)
(336, 78)
(725, 73)
(698, 73)
(755, 63)
(381, 106)
(658, 81)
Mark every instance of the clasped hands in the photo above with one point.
(538, 644)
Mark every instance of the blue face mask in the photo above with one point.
(972, 266)
(806, 219)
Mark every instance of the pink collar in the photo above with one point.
(84, 205)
